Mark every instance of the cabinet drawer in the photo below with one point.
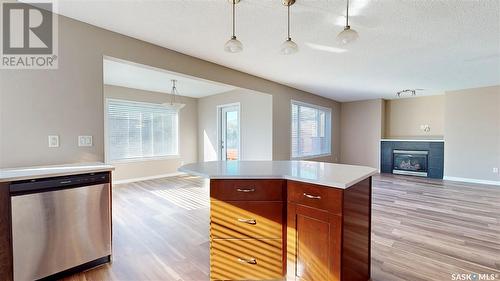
(246, 219)
(246, 259)
(247, 190)
(316, 196)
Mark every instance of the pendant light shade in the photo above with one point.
(347, 35)
(288, 47)
(233, 45)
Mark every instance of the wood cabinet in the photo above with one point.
(247, 219)
(279, 229)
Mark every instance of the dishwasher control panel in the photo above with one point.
(56, 183)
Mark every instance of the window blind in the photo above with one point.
(311, 130)
(140, 130)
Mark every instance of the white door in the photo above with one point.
(229, 138)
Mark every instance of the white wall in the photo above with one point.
(256, 124)
(188, 127)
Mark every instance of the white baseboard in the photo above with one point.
(471, 180)
(148, 178)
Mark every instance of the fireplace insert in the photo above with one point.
(410, 162)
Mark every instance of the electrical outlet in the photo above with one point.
(53, 141)
(84, 140)
(495, 170)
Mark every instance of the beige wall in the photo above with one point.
(188, 124)
(256, 124)
(472, 133)
(69, 101)
(361, 131)
(403, 117)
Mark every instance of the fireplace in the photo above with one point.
(410, 162)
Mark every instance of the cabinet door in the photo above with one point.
(313, 244)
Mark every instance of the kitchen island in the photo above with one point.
(294, 220)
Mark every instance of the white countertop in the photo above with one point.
(26, 173)
(327, 174)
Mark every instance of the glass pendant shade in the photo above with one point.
(347, 36)
(233, 45)
(289, 47)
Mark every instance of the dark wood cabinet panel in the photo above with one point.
(317, 196)
(247, 190)
(313, 244)
(6, 272)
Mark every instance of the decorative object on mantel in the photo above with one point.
(347, 35)
(288, 47)
(426, 128)
(412, 92)
(172, 104)
(233, 45)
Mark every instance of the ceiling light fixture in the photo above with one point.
(233, 45)
(289, 47)
(347, 35)
(172, 104)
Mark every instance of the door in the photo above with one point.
(229, 138)
(313, 244)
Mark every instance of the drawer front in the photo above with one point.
(246, 219)
(246, 259)
(316, 196)
(247, 190)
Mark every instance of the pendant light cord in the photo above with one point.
(288, 8)
(234, 4)
(347, 15)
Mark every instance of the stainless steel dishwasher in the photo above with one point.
(60, 224)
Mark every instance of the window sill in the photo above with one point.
(145, 159)
(311, 156)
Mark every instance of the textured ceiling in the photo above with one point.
(132, 75)
(430, 44)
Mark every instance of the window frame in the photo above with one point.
(107, 158)
(328, 125)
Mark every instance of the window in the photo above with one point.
(140, 130)
(311, 130)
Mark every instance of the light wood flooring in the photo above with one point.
(422, 230)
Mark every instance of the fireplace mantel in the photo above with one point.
(415, 140)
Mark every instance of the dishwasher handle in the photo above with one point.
(57, 183)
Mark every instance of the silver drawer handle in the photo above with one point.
(250, 260)
(245, 189)
(312, 196)
(249, 221)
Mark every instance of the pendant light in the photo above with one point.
(233, 45)
(289, 47)
(347, 35)
(172, 104)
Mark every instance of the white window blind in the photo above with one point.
(311, 130)
(140, 130)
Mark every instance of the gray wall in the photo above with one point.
(361, 131)
(472, 133)
(69, 101)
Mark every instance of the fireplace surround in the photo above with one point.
(428, 154)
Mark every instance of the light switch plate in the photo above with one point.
(53, 141)
(84, 140)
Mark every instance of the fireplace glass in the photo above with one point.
(410, 162)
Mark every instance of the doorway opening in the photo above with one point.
(229, 132)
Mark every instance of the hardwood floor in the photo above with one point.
(422, 230)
